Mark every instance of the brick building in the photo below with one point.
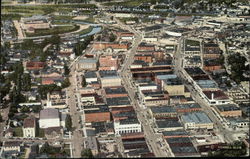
(108, 62)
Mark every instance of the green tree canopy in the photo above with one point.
(87, 153)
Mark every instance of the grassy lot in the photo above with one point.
(45, 9)
(40, 133)
(84, 31)
(18, 132)
(10, 16)
(55, 30)
(192, 42)
(62, 17)
(129, 19)
(129, 3)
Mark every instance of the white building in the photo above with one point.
(49, 118)
(127, 126)
(143, 87)
(29, 128)
(111, 81)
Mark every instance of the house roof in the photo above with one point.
(29, 122)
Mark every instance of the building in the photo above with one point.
(118, 102)
(168, 125)
(109, 79)
(33, 65)
(215, 97)
(90, 76)
(211, 51)
(10, 146)
(107, 62)
(228, 110)
(146, 47)
(127, 126)
(112, 46)
(174, 134)
(182, 147)
(196, 120)
(49, 118)
(29, 127)
(185, 108)
(97, 114)
(112, 92)
(154, 97)
(87, 64)
(173, 86)
(163, 112)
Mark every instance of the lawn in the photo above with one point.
(18, 132)
(40, 133)
(55, 30)
(192, 42)
(129, 3)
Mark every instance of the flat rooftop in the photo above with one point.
(196, 117)
(163, 109)
(175, 133)
(228, 107)
(118, 101)
(168, 123)
(188, 106)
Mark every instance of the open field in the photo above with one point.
(55, 30)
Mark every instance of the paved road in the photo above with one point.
(179, 70)
(150, 136)
(77, 139)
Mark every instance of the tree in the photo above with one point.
(25, 109)
(87, 153)
(66, 70)
(84, 83)
(66, 83)
(1, 118)
(68, 122)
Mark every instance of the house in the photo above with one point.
(29, 127)
(12, 146)
(33, 65)
(49, 118)
(197, 120)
